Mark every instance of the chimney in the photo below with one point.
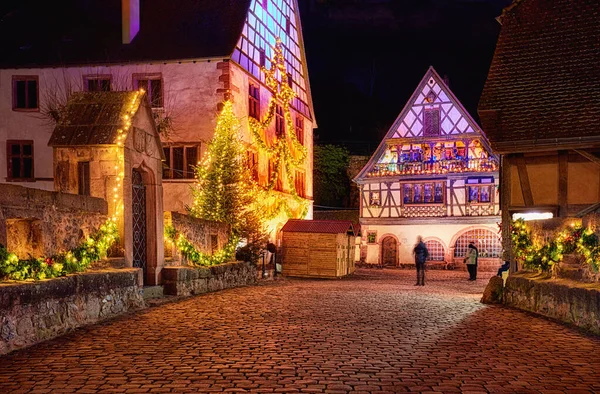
(130, 14)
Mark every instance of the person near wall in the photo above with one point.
(421, 253)
(471, 261)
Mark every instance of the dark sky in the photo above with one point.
(366, 57)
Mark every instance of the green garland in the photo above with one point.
(197, 258)
(94, 248)
(575, 239)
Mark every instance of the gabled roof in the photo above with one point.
(543, 87)
(75, 32)
(319, 226)
(94, 118)
(461, 125)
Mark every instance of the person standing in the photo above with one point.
(471, 261)
(421, 253)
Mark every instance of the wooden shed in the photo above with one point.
(318, 248)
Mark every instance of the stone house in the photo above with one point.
(189, 56)
(106, 145)
(540, 108)
(432, 175)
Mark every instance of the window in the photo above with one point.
(431, 122)
(288, 25)
(19, 155)
(300, 129)
(97, 83)
(300, 184)
(479, 190)
(254, 101)
(487, 242)
(435, 249)
(272, 174)
(279, 121)
(371, 237)
(374, 199)
(423, 193)
(152, 84)
(83, 178)
(290, 79)
(263, 57)
(180, 162)
(25, 92)
(265, 4)
(252, 163)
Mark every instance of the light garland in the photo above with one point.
(281, 148)
(196, 257)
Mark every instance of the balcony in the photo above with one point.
(434, 167)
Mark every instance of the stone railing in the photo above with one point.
(185, 281)
(42, 223)
(206, 236)
(569, 301)
(31, 312)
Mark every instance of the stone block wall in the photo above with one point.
(42, 223)
(207, 236)
(32, 312)
(565, 300)
(186, 281)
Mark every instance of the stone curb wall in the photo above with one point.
(32, 312)
(186, 281)
(567, 301)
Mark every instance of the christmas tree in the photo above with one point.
(224, 191)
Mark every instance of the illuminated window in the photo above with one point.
(19, 155)
(152, 84)
(25, 92)
(300, 129)
(279, 121)
(436, 250)
(96, 83)
(179, 162)
(423, 193)
(487, 242)
(479, 190)
(254, 101)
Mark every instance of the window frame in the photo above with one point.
(97, 77)
(436, 250)
(25, 78)
(9, 156)
(83, 178)
(299, 129)
(252, 164)
(187, 174)
(489, 184)
(422, 185)
(279, 121)
(300, 183)
(254, 100)
(148, 88)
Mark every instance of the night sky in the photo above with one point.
(366, 57)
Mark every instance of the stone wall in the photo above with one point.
(205, 235)
(43, 223)
(32, 312)
(565, 300)
(185, 281)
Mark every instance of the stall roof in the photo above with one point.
(319, 226)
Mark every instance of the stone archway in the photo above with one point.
(389, 251)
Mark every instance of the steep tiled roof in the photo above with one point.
(319, 226)
(92, 118)
(75, 32)
(543, 87)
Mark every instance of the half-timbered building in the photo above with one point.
(432, 175)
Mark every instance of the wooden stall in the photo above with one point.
(318, 248)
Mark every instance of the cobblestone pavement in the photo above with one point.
(371, 333)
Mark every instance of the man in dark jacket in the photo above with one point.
(421, 253)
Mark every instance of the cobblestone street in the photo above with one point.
(372, 333)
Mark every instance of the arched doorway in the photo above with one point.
(389, 252)
(139, 222)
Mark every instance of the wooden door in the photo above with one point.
(389, 252)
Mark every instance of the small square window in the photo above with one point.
(19, 156)
(152, 84)
(97, 83)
